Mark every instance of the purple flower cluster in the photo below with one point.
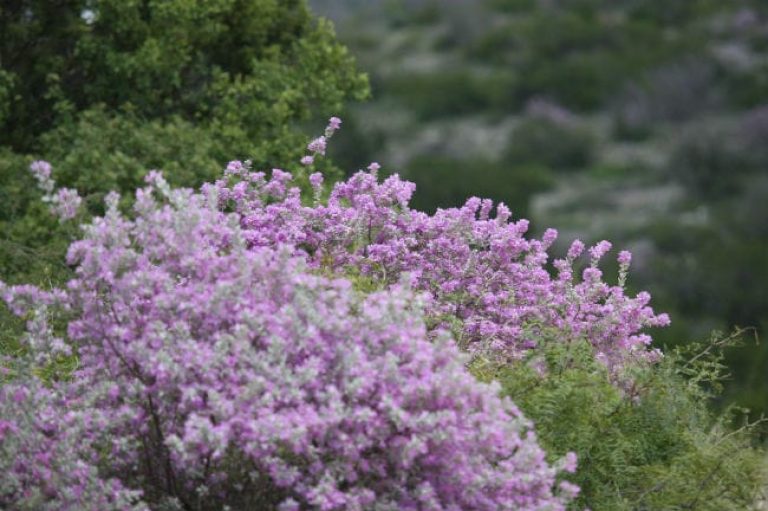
(319, 145)
(65, 202)
(478, 272)
(45, 461)
(218, 367)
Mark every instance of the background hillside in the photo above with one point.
(643, 122)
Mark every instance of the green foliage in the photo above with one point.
(113, 152)
(251, 65)
(352, 150)
(6, 84)
(451, 93)
(724, 280)
(611, 172)
(705, 164)
(513, 6)
(402, 13)
(674, 12)
(650, 443)
(557, 145)
(747, 89)
(445, 182)
(109, 89)
(716, 162)
(32, 242)
(120, 87)
(581, 53)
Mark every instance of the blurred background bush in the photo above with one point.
(641, 121)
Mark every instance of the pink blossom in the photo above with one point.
(625, 258)
(234, 167)
(318, 145)
(66, 203)
(316, 180)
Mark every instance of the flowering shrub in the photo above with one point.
(217, 371)
(481, 275)
(245, 346)
(45, 461)
(65, 202)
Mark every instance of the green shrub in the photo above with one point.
(251, 65)
(556, 145)
(451, 93)
(649, 444)
(582, 54)
(32, 241)
(443, 182)
(512, 6)
(717, 161)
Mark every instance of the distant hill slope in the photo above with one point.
(640, 121)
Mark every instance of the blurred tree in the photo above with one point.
(444, 182)
(244, 71)
(108, 89)
(557, 145)
(721, 160)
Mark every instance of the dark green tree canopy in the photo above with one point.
(243, 70)
(108, 89)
